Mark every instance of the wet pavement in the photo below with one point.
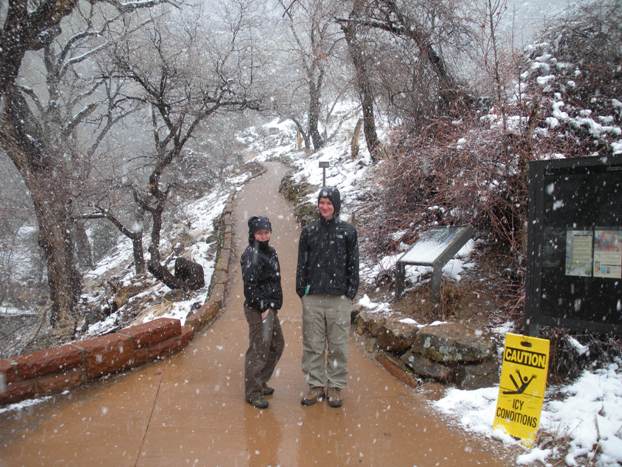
(190, 409)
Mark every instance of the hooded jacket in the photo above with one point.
(261, 270)
(328, 256)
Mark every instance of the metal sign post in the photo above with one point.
(434, 248)
(323, 166)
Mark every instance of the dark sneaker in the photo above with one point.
(267, 390)
(334, 397)
(258, 402)
(313, 395)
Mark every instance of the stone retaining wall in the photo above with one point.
(56, 369)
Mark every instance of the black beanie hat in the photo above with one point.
(256, 223)
(333, 195)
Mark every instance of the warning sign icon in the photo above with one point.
(522, 386)
(524, 382)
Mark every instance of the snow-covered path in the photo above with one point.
(190, 409)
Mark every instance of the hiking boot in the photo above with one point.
(313, 395)
(267, 390)
(334, 397)
(258, 402)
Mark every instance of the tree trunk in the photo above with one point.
(303, 133)
(137, 250)
(53, 210)
(155, 266)
(354, 144)
(42, 169)
(314, 116)
(365, 89)
(83, 245)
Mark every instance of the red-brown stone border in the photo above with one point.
(56, 369)
(395, 368)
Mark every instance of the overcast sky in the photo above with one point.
(531, 15)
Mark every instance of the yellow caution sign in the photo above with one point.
(522, 385)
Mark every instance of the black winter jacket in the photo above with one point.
(262, 277)
(328, 259)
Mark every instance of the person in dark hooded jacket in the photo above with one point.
(264, 297)
(327, 280)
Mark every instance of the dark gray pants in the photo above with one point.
(261, 356)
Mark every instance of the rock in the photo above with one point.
(369, 323)
(190, 272)
(123, 294)
(396, 336)
(397, 369)
(370, 344)
(428, 368)
(175, 295)
(356, 309)
(156, 310)
(479, 375)
(453, 343)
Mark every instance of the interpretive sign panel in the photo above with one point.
(608, 253)
(579, 253)
(522, 385)
(434, 248)
(574, 266)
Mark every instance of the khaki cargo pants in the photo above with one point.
(262, 356)
(325, 330)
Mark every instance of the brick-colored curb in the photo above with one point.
(210, 309)
(395, 367)
(56, 369)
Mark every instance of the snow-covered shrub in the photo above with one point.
(565, 102)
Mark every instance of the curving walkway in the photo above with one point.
(189, 410)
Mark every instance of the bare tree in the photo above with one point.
(33, 134)
(312, 27)
(413, 37)
(182, 83)
(351, 30)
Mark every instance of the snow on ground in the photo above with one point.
(587, 414)
(120, 255)
(374, 307)
(417, 275)
(197, 220)
(23, 404)
(344, 172)
(352, 177)
(13, 311)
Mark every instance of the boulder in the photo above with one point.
(356, 309)
(124, 293)
(451, 343)
(396, 336)
(478, 375)
(190, 272)
(427, 368)
(369, 323)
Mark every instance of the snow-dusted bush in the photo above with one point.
(564, 102)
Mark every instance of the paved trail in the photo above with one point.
(189, 410)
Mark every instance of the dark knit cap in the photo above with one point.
(256, 223)
(333, 195)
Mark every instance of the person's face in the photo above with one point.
(327, 210)
(262, 235)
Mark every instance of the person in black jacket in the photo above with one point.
(264, 297)
(327, 280)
